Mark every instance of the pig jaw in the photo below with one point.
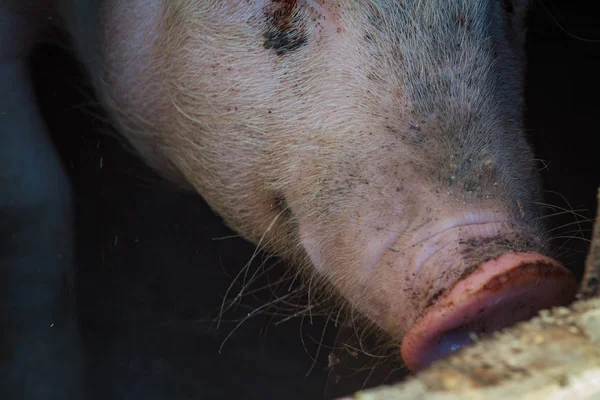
(436, 287)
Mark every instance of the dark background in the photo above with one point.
(151, 275)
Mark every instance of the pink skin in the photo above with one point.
(499, 293)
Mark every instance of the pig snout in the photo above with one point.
(442, 284)
(506, 289)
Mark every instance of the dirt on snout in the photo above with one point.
(553, 356)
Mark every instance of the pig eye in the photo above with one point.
(508, 6)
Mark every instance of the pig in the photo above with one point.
(377, 146)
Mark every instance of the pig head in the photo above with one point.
(378, 145)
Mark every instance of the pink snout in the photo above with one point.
(500, 292)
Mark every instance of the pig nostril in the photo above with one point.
(455, 339)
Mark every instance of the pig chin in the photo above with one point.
(438, 287)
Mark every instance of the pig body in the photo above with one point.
(377, 145)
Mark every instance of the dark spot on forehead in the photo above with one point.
(285, 31)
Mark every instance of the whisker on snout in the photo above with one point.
(244, 270)
(227, 237)
(250, 315)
